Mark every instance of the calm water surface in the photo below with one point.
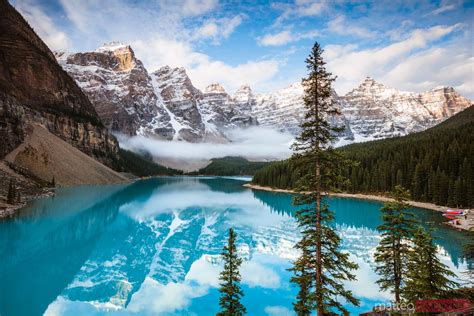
(152, 248)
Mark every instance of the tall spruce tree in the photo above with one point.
(392, 253)
(427, 277)
(321, 268)
(231, 293)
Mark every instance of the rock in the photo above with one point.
(34, 89)
(120, 88)
(165, 104)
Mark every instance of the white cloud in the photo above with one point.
(166, 36)
(285, 37)
(301, 8)
(352, 65)
(452, 66)
(217, 29)
(445, 6)
(278, 311)
(254, 143)
(154, 297)
(255, 274)
(197, 7)
(43, 25)
(200, 67)
(281, 38)
(253, 73)
(339, 25)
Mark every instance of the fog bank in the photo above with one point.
(256, 143)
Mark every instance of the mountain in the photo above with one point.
(119, 87)
(35, 89)
(48, 157)
(165, 104)
(436, 165)
(370, 111)
(376, 111)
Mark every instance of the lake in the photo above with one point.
(152, 248)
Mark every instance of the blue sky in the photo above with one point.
(409, 45)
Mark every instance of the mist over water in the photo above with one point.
(254, 143)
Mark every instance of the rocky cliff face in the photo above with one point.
(34, 89)
(376, 111)
(165, 104)
(119, 87)
(370, 111)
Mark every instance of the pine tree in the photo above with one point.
(321, 260)
(427, 277)
(231, 293)
(391, 254)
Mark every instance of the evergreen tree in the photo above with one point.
(321, 260)
(427, 277)
(305, 299)
(231, 293)
(391, 254)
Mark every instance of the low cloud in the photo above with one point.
(256, 143)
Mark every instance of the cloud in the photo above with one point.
(339, 25)
(452, 66)
(164, 34)
(446, 5)
(217, 29)
(43, 25)
(285, 37)
(154, 297)
(197, 7)
(352, 64)
(278, 311)
(200, 67)
(301, 8)
(256, 143)
(255, 274)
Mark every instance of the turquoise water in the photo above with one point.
(151, 248)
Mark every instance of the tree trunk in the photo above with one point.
(319, 280)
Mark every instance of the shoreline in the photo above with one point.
(467, 225)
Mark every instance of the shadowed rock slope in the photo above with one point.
(35, 89)
(48, 156)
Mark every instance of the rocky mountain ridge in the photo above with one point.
(35, 89)
(165, 104)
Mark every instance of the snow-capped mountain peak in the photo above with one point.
(112, 46)
(166, 104)
(214, 88)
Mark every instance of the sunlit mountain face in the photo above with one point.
(152, 247)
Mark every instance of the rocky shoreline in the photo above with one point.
(465, 224)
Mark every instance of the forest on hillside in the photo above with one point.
(231, 166)
(435, 165)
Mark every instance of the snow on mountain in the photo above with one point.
(377, 111)
(120, 89)
(166, 105)
(370, 111)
